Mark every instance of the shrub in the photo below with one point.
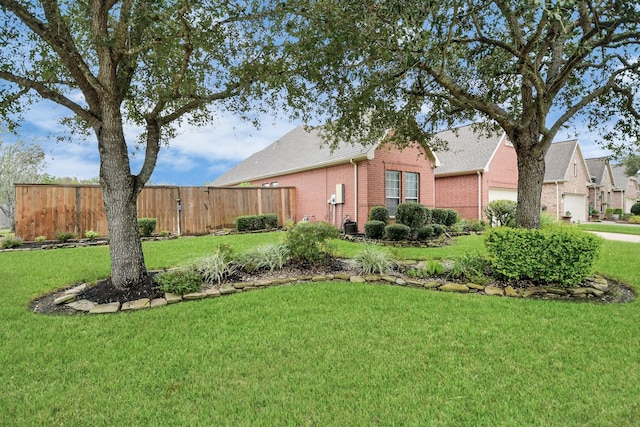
(439, 216)
(147, 226)
(617, 211)
(165, 233)
(635, 209)
(501, 213)
(373, 260)
(412, 215)
(214, 268)
(41, 239)
(90, 234)
(473, 225)
(64, 236)
(179, 281)
(374, 229)
(634, 219)
(438, 230)
(248, 222)
(311, 241)
(379, 213)
(560, 255)
(10, 242)
(397, 232)
(451, 218)
(273, 257)
(425, 233)
(269, 220)
(469, 268)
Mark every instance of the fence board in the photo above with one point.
(43, 209)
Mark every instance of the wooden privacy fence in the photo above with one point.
(44, 209)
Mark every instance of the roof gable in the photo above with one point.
(598, 168)
(558, 159)
(468, 150)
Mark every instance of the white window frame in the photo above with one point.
(393, 190)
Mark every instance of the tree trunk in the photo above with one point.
(531, 168)
(120, 196)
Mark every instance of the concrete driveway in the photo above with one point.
(617, 236)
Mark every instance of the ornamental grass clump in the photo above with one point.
(373, 260)
(557, 255)
(271, 257)
(215, 267)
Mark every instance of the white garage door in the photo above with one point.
(575, 203)
(503, 194)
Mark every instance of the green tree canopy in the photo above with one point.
(527, 68)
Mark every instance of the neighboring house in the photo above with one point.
(601, 186)
(348, 181)
(565, 181)
(476, 169)
(625, 189)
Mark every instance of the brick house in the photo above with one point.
(566, 181)
(476, 169)
(601, 186)
(625, 190)
(348, 181)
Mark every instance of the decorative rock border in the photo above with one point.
(80, 243)
(596, 287)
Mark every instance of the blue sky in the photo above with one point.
(198, 155)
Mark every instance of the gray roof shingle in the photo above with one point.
(597, 168)
(468, 150)
(296, 151)
(558, 160)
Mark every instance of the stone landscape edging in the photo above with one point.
(597, 287)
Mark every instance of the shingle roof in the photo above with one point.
(558, 160)
(296, 151)
(597, 168)
(468, 150)
(620, 178)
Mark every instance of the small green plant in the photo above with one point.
(413, 215)
(91, 235)
(271, 257)
(311, 241)
(64, 236)
(425, 233)
(634, 219)
(434, 268)
(438, 230)
(215, 267)
(180, 281)
(470, 268)
(10, 242)
(501, 213)
(165, 233)
(379, 213)
(374, 229)
(147, 226)
(41, 239)
(373, 260)
(397, 232)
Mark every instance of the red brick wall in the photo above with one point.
(503, 168)
(315, 187)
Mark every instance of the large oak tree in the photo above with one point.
(529, 67)
(152, 63)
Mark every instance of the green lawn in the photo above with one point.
(315, 354)
(611, 228)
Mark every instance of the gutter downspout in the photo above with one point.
(557, 201)
(479, 195)
(355, 189)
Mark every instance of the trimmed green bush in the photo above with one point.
(438, 230)
(558, 255)
(397, 232)
(269, 220)
(248, 222)
(438, 216)
(311, 241)
(179, 281)
(374, 229)
(501, 213)
(425, 233)
(451, 218)
(635, 209)
(411, 214)
(147, 226)
(379, 213)
(617, 211)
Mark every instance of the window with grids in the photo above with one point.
(392, 185)
(411, 180)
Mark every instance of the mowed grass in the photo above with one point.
(315, 354)
(611, 228)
